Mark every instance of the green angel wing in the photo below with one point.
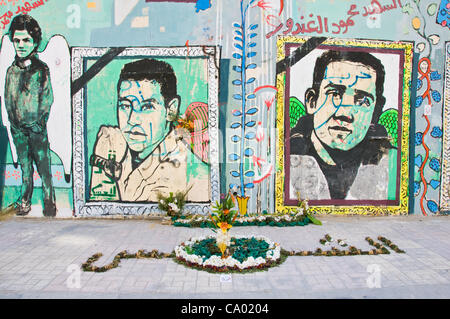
(296, 110)
(389, 119)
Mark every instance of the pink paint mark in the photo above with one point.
(258, 161)
(58, 175)
(16, 174)
(259, 133)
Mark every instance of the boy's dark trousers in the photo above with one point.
(32, 146)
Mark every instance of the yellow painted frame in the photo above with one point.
(402, 208)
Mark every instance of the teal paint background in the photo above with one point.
(101, 93)
(172, 24)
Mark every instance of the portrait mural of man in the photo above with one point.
(339, 147)
(145, 153)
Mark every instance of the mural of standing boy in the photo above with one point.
(28, 99)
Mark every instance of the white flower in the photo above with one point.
(306, 203)
(341, 243)
(261, 218)
(174, 207)
(272, 254)
(277, 219)
(161, 201)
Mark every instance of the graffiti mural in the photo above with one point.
(282, 134)
(346, 123)
(36, 106)
(149, 129)
(445, 191)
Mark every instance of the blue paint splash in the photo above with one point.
(202, 5)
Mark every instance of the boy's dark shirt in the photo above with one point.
(28, 93)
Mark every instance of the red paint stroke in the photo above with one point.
(262, 4)
(275, 18)
(265, 87)
(425, 75)
(281, 7)
(258, 161)
(427, 152)
(266, 5)
(263, 177)
(269, 102)
(187, 46)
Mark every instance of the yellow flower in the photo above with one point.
(222, 247)
(224, 226)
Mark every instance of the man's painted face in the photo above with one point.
(142, 115)
(23, 43)
(345, 104)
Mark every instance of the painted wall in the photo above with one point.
(251, 78)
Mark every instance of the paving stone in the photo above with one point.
(36, 255)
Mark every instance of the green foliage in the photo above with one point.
(389, 119)
(303, 205)
(173, 204)
(296, 110)
(243, 248)
(223, 212)
(240, 248)
(297, 220)
(314, 220)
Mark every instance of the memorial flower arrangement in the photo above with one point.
(173, 204)
(303, 206)
(225, 253)
(297, 217)
(277, 219)
(245, 253)
(222, 219)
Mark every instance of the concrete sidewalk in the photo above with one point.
(41, 258)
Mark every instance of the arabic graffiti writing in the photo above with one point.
(5, 19)
(321, 24)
